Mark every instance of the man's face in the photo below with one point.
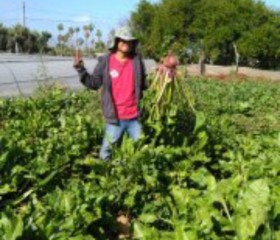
(125, 46)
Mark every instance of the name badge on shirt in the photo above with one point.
(114, 73)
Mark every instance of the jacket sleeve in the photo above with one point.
(144, 85)
(93, 81)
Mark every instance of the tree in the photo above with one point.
(217, 31)
(90, 28)
(4, 35)
(86, 36)
(77, 30)
(163, 26)
(111, 37)
(99, 35)
(60, 37)
(22, 39)
(60, 27)
(141, 22)
(99, 44)
(87, 33)
(223, 24)
(18, 35)
(31, 43)
(80, 42)
(260, 46)
(71, 32)
(218, 24)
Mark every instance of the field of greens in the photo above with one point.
(209, 174)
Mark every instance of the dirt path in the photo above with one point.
(222, 71)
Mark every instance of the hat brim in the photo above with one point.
(126, 39)
(113, 44)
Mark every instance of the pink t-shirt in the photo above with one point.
(123, 90)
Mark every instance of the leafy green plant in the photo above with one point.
(212, 175)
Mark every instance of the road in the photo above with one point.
(22, 74)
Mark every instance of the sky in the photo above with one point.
(46, 15)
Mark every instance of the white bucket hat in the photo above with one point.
(123, 33)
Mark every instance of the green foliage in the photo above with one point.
(3, 37)
(22, 39)
(143, 16)
(11, 226)
(262, 44)
(210, 25)
(217, 179)
(163, 26)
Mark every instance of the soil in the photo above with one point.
(124, 226)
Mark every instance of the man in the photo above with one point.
(121, 74)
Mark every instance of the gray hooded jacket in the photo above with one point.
(101, 78)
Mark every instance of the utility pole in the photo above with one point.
(23, 14)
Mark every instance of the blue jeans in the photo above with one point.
(114, 132)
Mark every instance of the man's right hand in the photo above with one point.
(79, 64)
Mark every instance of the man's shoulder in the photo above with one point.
(137, 57)
(103, 58)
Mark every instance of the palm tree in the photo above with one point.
(60, 39)
(80, 42)
(111, 37)
(44, 38)
(99, 45)
(86, 35)
(90, 27)
(18, 36)
(92, 42)
(71, 32)
(4, 36)
(60, 28)
(77, 30)
(98, 35)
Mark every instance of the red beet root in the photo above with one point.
(170, 61)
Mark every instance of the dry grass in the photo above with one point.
(225, 73)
